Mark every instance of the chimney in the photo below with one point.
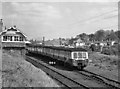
(1, 25)
(14, 26)
(5, 27)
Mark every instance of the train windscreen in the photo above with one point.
(75, 55)
(79, 55)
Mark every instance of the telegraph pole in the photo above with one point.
(60, 41)
(43, 42)
(1, 27)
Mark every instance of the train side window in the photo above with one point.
(69, 54)
(60, 53)
(63, 53)
(66, 53)
(57, 52)
(75, 55)
(79, 55)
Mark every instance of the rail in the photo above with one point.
(107, 81)
(66, 81)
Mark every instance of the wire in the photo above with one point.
(83, 20)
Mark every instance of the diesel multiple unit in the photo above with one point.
(77, 57)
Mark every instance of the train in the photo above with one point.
(75, 57)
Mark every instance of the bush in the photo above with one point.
(113, 50)
(106, 51)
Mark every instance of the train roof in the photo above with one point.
(58, 48)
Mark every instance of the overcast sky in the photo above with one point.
(60, 19)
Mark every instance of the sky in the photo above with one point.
(59, 19)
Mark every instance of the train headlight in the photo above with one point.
(51, 63)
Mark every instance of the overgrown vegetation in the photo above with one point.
(113, 50)
(16, 72)
(109, 62)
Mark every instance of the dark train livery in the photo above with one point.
(77, 57)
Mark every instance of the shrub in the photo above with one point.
(106, 51)
(113, 50)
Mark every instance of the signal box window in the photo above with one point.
(21, 38)
(16, 38)
(9, 38)
(4, 38)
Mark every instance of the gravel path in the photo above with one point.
(16, 72)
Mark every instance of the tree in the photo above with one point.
(83, 37)
(100, 35)
(118, 34)
(112, 36)
(93, 47)
(71, 41)
(91, 37)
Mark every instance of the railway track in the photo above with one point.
(64, 80)
(100, 78)
(68, 81)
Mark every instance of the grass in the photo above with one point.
(106, 65)
(16, 72)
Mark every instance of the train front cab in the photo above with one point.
(80, 59)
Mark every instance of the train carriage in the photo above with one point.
(77, 57)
